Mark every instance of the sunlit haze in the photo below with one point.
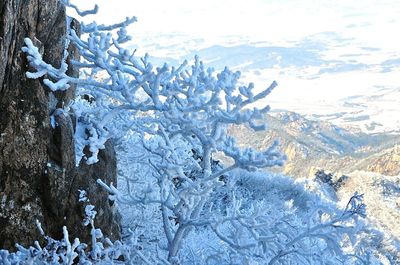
(325, 55)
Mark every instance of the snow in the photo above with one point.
(53, 122)
(189, 126)
(345, 48)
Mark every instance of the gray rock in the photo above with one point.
(38, 177)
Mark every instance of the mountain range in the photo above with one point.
(348, 160)
(356, 90)
(315, 144)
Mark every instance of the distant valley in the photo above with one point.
(343, 89)
(314, 144)
(336, 111)
(353, 161)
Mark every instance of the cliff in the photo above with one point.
(38, 177)
(311, 145)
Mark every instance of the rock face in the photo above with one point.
(38, 177)
(311, 145)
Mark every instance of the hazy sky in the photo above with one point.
(353, 39)
(266, 20)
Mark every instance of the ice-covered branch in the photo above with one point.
(80, 12)
(180, 117)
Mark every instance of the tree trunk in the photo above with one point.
(38, 177)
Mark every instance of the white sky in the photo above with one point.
(265, 20)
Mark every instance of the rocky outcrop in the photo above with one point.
(386, 162)
(38, 177)
(311, 145)
(107, 218)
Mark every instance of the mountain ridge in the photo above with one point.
(312, 144)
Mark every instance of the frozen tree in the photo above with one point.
(169, 123)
